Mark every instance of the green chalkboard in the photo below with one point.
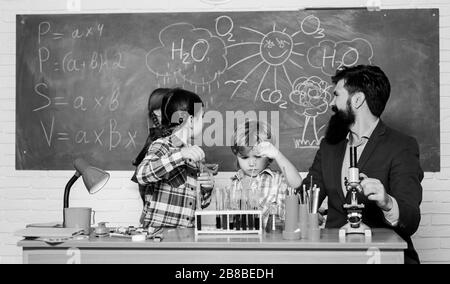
(83, 80)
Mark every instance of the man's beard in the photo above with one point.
(339, 125)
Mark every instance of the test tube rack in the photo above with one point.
(229, 215)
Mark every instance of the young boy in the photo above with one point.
(254, 149)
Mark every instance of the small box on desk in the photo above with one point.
(230, 222)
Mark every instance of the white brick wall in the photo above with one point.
(35, 196)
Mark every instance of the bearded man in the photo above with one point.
(388, 160)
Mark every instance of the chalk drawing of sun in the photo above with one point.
(277, 55)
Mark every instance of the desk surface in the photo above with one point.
(383, 239)
(182, 246)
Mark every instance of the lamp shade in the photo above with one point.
(94, 178)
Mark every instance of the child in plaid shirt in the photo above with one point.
(155, 132)
(172, 164)
(253, 146)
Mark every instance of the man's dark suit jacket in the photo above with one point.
(389, 156)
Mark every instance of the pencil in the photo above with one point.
(316, 200)
(304, 193)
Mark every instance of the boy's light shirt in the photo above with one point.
(272, 185)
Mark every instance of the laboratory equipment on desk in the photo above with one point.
(203, 192)
(235, 213)
(101, 230)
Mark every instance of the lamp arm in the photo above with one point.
(67, 189)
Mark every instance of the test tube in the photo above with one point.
(224, 221)
(222, 207)
(199, 222)
(218, 224)
(243, 207)
(243, 220)
(269, 224)
(234, 205)
(250, 217)
(231, 222)
(237, 222)
(230, 204)
(255, 203)
(198, 207)
(251, 221)
(227, 206)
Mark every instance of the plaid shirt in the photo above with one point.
(272, 186)
(173, 201)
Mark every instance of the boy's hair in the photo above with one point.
(369, 80)
(176, 105)
(248, 135)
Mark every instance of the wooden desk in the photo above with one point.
(181, 246)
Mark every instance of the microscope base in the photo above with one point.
(362, 229)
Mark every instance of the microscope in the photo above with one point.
(354, 209)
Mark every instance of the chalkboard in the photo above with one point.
(83, 80)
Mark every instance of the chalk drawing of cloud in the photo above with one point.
(193, 53)
(329, 55)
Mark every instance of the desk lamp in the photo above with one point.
(94, 179)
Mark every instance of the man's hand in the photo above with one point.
(374, 190)
(267, 149)
(194, 153)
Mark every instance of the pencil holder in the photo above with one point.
(291, 209)
(291, 224)
(313, 227)
(303, 220)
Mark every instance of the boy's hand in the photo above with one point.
(267, 149)
(194, 153)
